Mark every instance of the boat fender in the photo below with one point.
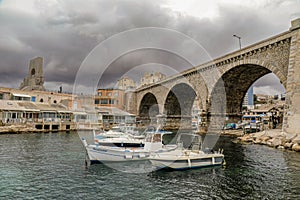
(141, 155)
(189, 162)
(128, 156)
(84, 142)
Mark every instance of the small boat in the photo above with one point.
(188, 154)
(102, 154)
(117, 139)
(106, 150)
(114, 132)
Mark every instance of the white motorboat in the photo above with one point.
(117, 138)
(100, 152)
(188, 154)
(114, 132)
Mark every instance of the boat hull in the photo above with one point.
(186, 162)
(114, 154)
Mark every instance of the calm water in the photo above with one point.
(51, 166)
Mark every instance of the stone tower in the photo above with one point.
(35, 78)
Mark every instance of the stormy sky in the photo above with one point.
(65, 32)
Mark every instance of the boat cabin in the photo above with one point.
(154, 139)
(189, 141)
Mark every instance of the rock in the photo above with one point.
(296, 140)
(296, 147)
(259, 134)
(257, 141)
(280, 147)
(269, 143)
(273, 133)
(246, 138)
(274, 142)
(288, 145)
(290, 136)
(265, 138)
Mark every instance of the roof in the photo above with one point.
(31, 106)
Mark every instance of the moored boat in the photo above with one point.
(188, 154)
(101, 152)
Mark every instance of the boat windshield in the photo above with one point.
(157, 137)
(116, 129)
(189, 140)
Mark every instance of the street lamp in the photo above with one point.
(239, 40)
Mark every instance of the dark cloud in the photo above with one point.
(64, 33)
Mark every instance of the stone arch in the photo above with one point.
(236, 80)
(179, 100)
(178, 105)
(148, 107)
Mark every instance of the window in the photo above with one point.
(55, 101)
(100, 94)
(109, 94)
(32, 72)
(42, 100)
(96, 101)
(111, 101)
(1, 96)
(104, 101)
(116, 94)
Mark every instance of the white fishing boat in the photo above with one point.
(188, 154)
(117, 153)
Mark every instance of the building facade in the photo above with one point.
(33, 95)
(110, 97)
(249, 98)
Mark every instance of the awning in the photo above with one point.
(64, 111)
(79, 113)
(21, 95)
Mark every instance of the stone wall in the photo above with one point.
(292, 111)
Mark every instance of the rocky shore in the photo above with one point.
(274, 138)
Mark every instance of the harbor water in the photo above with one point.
(51, 166)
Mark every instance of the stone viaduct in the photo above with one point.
(221, 84)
